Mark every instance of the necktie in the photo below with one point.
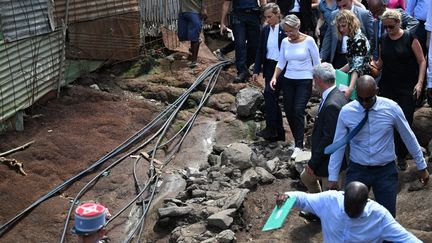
(341, 142)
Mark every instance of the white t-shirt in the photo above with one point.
(299, 58)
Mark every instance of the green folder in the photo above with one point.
(277, 217)
(343, 81)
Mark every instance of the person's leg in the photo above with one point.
(311, 182)
(273, 114)
(288, 89)
(239, 31)
(302, 95)
(194, 30)
(385, 186)
(252, 28)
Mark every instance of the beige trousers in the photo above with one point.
(313, 185)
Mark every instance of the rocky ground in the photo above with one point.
(219, 188)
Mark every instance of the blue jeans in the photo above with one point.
(296, 95)
(273, 114)
(382, 179)
(246, 29)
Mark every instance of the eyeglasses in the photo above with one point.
(390, 27)
(366, 99)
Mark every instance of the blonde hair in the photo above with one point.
(291, 21)
(348, 17)
(392, 14)
(274, 8)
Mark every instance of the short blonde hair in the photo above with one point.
(291, 21)
(346, 16)
(392, 14)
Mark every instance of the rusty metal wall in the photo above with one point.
(85, 10)
(110, 38)
(29, 69)
(24, 18)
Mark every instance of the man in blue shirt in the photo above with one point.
(372, 150)
(350, 216)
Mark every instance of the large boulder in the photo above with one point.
(264, 176)
(422, 125)
(222, 219)
(248, 100)
(226, 236)
(238, 155)
(188, 233)
(174, 211)
(249, 179)
(236, 198)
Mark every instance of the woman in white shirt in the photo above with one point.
(299, 53)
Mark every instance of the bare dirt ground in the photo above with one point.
(77, 129)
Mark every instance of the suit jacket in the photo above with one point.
(324, 131)
(408, 23)
(328, 48)
(260, 58)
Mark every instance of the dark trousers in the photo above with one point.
(246, 29)
(296, 94)
(404, 98)
(273, 114)
(382, 179)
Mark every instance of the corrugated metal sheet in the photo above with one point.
(25, 18)
(85, 10)
(159, 12)
(114, 38)
(29, 69)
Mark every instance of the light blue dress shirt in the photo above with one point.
(374, 144)
(374, 225)
(418, 8)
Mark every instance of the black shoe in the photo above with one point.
(267, 133)
(309, 216)
(241, 78)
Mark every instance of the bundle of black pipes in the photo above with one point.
(163, 121)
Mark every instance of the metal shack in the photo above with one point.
(31, 57)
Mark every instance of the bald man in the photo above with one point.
(372, 150)
(350, 216)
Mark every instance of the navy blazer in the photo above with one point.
(324, 131)
(260, 59)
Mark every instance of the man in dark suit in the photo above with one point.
(266, 59)
(332, 50)
(324, 127)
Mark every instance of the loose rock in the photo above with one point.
(249, 179)
(264, 176)
(248, 100)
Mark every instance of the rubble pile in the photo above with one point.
(210, 207)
